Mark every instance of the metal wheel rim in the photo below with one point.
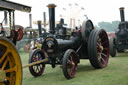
(71, 69)
(10, 63)
(39, 68)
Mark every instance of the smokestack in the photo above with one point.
(39, 28)
(30, 20)
(122, 14)
(62, 21)
(6, 19)
(44, 14)
(52, 18)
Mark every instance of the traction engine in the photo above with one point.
(66, 48)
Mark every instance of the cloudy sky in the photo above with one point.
(96, 10)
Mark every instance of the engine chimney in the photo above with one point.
(122, 14)
(44, 15)
(52, 18)
(30, 20)
(39, 28)
(6, 19)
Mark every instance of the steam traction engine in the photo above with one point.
(120, 42)
(67, 50)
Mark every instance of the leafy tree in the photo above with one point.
(108, 26)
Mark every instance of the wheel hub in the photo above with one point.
(72, 64)
(101, 48)
(2, 76)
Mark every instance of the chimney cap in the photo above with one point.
(121, 8)
(51, 5)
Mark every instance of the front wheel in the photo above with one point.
(36, 55)
(70, 61)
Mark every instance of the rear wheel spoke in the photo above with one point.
(104, 42)
(98, 44)
(102, 59)
(5, 63)
(7, 78)
(105, 48)
(4, 56)
(69, 62)
(11, 69)
(103, 54)
(99, 56)
(102, 37)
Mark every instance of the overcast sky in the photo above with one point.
(96, 10)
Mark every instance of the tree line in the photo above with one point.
(108, 26)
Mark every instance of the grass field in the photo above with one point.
(116, 73)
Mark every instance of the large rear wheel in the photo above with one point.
(10, 64)
(98, 48)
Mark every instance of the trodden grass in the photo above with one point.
(116, 73)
